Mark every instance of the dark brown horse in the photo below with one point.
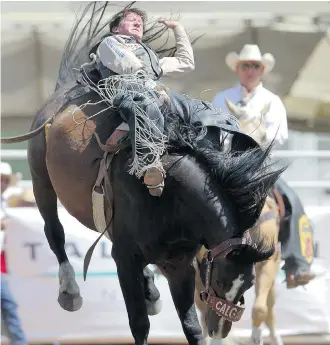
(211, 198)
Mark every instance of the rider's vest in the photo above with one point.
(148, 58)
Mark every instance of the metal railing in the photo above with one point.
(22, 155)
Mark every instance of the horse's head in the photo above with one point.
(255, 126)
(240, 184)
(223, 193)
(226, 272)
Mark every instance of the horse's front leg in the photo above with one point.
(182, 286)
(131, 279)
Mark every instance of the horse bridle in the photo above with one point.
(226, 309)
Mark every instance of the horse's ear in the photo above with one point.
(243, 142)
(234, 109)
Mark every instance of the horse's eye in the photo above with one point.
(219, 283)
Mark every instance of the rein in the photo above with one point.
(104, 178)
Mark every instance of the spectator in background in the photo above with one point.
(9, 313)
(250, 94)
(24, 199)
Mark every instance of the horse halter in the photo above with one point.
(226, 309)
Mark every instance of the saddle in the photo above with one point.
(290, 208)
(282, 207)
(296, 237)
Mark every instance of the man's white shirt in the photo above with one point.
(255, 101)
(4, 197)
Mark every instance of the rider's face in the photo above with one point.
(250, 73)
(131, 25)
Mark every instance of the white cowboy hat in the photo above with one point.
(250, 52)
(5, 169)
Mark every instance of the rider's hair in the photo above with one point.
(118, 17)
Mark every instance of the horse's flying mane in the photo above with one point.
(245, 176)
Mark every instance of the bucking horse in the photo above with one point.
(213, 198)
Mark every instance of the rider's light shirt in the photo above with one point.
(123, 55)
(253, 103)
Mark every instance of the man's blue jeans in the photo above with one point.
(10, 316)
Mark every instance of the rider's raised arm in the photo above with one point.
(183, 59)
(116, 56)
(276, 122)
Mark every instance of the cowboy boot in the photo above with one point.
(297, 274)
(301, 277)
(154, 180)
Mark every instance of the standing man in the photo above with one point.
(8, 305)
(250, 96)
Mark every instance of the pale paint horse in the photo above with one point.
(266, 272)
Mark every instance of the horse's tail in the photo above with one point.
(26, 136)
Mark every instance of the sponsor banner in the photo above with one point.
(33, 279)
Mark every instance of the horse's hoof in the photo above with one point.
(70, 302)
(154, 308)
(254, 341)
(256, 337)
(276, 340)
